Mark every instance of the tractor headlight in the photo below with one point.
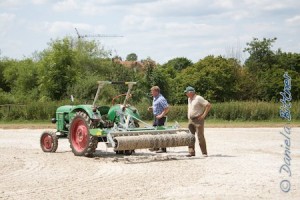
(53, 120)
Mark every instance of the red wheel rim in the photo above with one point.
(47, 141)
(79, 135)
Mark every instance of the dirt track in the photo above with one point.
(243, 163)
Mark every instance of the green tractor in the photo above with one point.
(117, 126)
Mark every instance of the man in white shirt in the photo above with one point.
(198, 109)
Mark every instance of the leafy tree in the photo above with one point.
(85, 90)
(178, 64)
(5, 64)
(89, 56)
(160, 79)
(213, 77)
(149, 66)
(270, 85)
(295, 79)
(288, 61)
(67, 62)
(261, 56)
(173, 67)
(266, 68)
(58, 70)
(132, 57)
(22, 77)
(247, 86)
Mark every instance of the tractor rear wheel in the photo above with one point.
(49, 141)
(81, 142)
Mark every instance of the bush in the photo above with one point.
(241, 111)
(250, 110)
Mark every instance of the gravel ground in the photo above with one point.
(243, 163)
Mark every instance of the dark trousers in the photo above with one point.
(199, 128)
(160, 122)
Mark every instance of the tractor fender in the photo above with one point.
(88, 109)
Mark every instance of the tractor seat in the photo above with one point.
(103, 110)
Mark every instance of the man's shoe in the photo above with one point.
(205, 155)
(154, 149)
(190, 155)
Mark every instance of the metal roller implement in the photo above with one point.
(181, 138)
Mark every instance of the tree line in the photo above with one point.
(72, 66)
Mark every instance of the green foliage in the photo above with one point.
(73, 66)
(22, 77)
(230, 111)
(213, 77)
(149, 78)
(57, 69)
(6, 98)
(176, 113)
(131, 57)
(177, 64)
(245, 111)
(84, 89)
(160, 79)
(67, 62)
(90, 57)
(288, 61)
(246, 86)
(250, 111)
(261, 58)
(4, 84)
(142, 108)
(30, 111)
(266, 69)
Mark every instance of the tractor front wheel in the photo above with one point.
(49, 141)
(81, 142)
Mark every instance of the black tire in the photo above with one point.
(81, 142)
(49, 141)
(128, 152)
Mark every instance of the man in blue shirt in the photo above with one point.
(160, 108)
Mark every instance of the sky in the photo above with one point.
(156, 29)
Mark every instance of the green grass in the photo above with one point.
(35, 124)
(246, 124)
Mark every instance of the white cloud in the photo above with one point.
(191, 29)
(39, 2)
(294, 21)
(66, 5)
(228, 4)
(238, 15)
(11, 3)
(134, 23)
(6, 22)
(90, 9)
(160, 29)
(62, 27)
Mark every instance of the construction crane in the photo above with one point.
(95, 35)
